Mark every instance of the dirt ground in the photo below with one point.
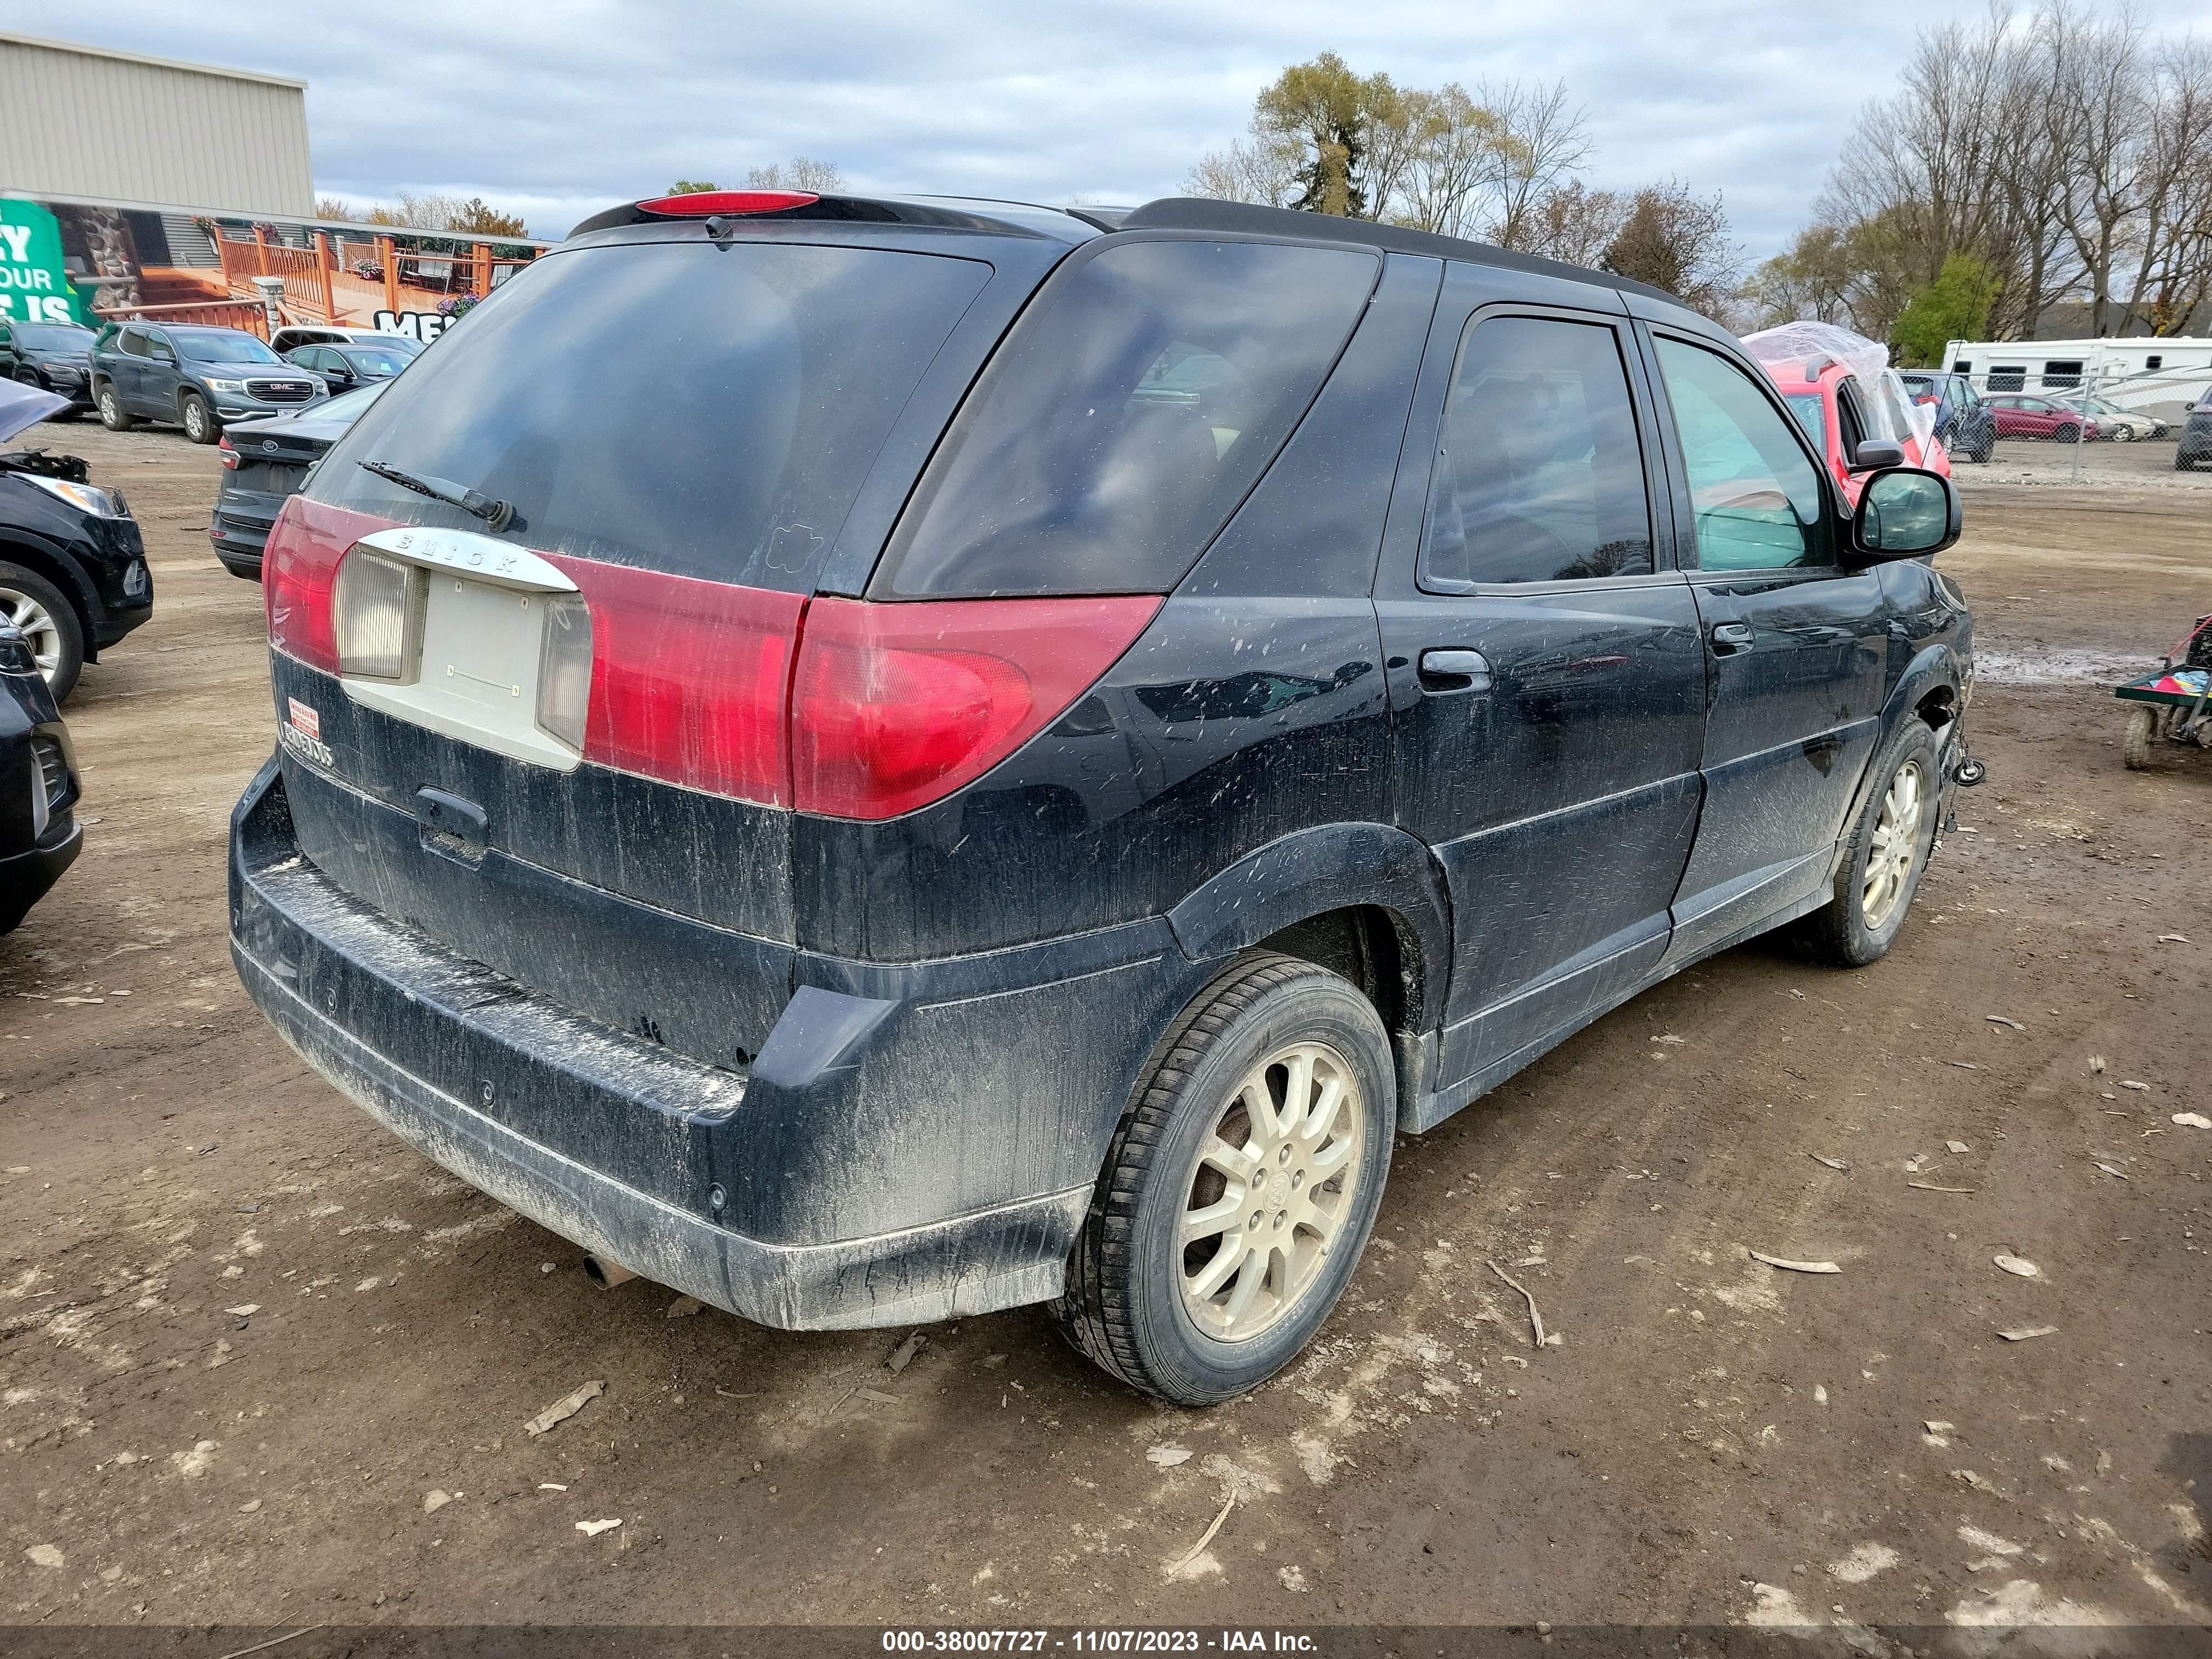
(245, 1337)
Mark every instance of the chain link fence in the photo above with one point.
(1981, 418)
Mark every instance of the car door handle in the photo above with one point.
(1455, 671)
(1729, 638)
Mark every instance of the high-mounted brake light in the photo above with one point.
(704, 204)
(895, 706)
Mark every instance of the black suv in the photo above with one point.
(73, 573)
(1010, 767)
(194, 376)
(1964, 422)
(52, 356)
(40, 835)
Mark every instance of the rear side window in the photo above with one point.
(707, 411)
(1540, 477)
(1123, 421)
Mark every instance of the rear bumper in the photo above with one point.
(28, 877)
(652, 1158)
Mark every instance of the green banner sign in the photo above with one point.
(34, 284)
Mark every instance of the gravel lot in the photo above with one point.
(246, 1337)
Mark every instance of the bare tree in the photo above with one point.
(1573, 222)
(1259, 167)
(1678, 240)
(799, 173)
(1440, 187)
(1545, 141)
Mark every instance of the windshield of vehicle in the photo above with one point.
(399, 343)
(223, 346)
(1812, 412)
(711, 411)
(370, 362)
(54, 336)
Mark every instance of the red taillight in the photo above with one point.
(299, 568)
(688, 679)
(699, 204)
(226, 453)
(895, 706)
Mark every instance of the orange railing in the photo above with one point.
(309, 274)
(221, 313)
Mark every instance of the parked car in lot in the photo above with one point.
(196, 376)
(2124, 425)
(264, 462)
(52, 356)
(1843, 414)
(2023, 414)
(342, 368)
(73, 573)
(39, 836)
(2195, 448)
(1964, 422)
(1009, 766)
(286, 340)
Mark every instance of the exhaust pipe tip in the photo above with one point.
(606, 1274)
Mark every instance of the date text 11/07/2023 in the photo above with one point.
(1103, 1639)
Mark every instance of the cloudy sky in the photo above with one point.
(555, 108)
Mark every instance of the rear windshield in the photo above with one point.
(54, 336)
(1121, 425)
(708, 411)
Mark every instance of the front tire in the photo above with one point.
(2134, 747)
(37, 607)
(1885, 856)
(200, 424)
(1241, 1186)
(110, 409)
(2124, 434)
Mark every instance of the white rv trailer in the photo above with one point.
(2156, 377)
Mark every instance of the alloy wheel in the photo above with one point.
(38, 627)
(1271, 1191)
(1896, 846)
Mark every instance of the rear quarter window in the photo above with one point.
(1125, 417)
(708, 411)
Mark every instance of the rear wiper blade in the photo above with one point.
(496, 513)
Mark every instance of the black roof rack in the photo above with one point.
(864, 209)
(1199, 213)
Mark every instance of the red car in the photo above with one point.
(2023, 414)
(1838, 410)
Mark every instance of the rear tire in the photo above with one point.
(1884, 857)
(110, 409)
(39, 608)
(200, 424)
(2122, 435)
(2134, 747)
(1261, 1133)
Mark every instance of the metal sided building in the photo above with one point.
(136, 186)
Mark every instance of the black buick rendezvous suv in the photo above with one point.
(877, 760)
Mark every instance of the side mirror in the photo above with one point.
(1904, 513)
(1874, 454)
